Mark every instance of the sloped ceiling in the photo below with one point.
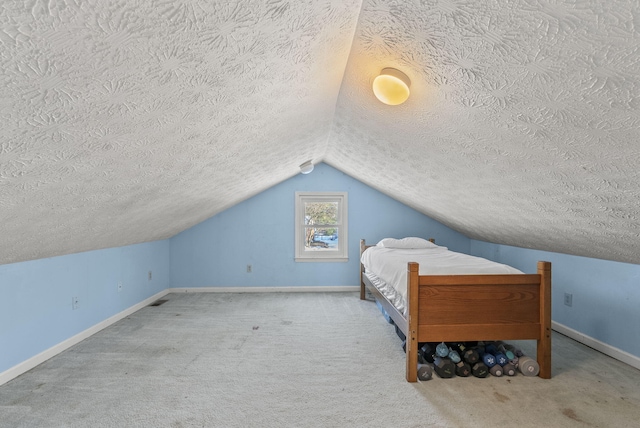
(127, 122)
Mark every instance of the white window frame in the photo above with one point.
(304, 255)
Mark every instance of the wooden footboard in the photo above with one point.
(453, 308)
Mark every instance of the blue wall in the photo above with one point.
(606, 294)
(260, 232)
(36, 307)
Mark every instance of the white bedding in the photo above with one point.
(388, 268)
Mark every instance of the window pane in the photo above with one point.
(321, 213)
(321, 239)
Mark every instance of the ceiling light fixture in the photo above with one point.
(391, 86)
(306, 167)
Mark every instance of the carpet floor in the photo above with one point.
(296, 360)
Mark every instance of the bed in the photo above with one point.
(444, 304)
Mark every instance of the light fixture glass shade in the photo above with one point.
(306, 167)
(391, 86)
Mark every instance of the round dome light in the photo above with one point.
(391, 86)
(306, 167)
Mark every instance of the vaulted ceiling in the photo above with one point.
(125, 122)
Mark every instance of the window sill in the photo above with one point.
(322, 259)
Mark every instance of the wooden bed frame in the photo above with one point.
(448, 308)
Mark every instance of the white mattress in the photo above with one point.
(387, 268)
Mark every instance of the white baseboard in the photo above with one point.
(606, 349)
(311, 289)
(32, 362)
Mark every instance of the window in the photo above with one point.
(321, 227)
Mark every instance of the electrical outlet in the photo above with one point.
(568, 299)
(119, 286)
(75, 302)
(249, 268)
(149, 275)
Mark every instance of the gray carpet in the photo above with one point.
(296, 360)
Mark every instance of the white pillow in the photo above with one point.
(410, 242)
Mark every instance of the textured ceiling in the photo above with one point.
(130, 121)
(523, 126)
(126, 122)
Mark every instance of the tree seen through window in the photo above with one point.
(321, 230)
